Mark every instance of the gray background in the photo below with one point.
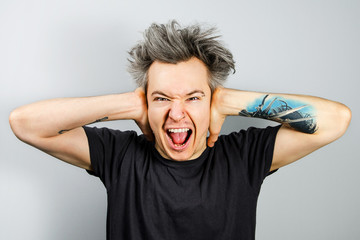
(71, 48)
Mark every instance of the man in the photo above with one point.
(173, 182)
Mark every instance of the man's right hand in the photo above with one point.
(55, 126)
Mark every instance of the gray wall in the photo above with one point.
(69, 48)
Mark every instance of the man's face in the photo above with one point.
(179, 108)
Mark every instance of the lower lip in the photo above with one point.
(178, 148)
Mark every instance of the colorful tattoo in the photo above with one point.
(291, 112)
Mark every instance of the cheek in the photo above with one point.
(206, 121)
(152, 120)
(202, 118)
(155, 117)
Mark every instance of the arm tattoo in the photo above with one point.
(100, 120)
(290, 112)
(96, 121)
(62, 131)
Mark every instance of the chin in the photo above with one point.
(181, 157)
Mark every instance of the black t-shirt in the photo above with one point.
(211, 197)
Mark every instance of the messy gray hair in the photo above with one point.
(170, 43)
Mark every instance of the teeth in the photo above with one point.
(178, 130)
(179, 145)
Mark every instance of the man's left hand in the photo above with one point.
(217, 118)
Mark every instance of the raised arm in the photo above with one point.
(308, 123)
(55, 126)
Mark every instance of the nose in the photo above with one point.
(177, 111)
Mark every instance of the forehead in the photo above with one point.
(182, 77)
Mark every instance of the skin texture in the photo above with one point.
(62, 136)
(178, 97)
(332, 120)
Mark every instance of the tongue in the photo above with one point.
(178, 138)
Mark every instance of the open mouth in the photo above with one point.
(179, 136)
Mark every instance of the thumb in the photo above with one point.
(212, 139)
(216, 122)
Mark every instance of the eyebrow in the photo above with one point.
(188, 94)
(158, 93)
(196, 91)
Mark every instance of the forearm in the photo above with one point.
(303, 113)
(51, 117)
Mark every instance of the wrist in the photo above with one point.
(123, 106)
(138, 103)
(228, 101)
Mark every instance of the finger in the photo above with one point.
(214, 130)
(140, 90)
(212, 139)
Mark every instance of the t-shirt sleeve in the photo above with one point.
(261, 143)
(255, 148)
(107, 149)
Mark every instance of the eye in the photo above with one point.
(160, 99)
(193, 99)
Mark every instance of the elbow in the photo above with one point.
(344, 119)
(17, 123)
(335, 124)
(14, 121)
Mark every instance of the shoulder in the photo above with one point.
(108, 136)
(250, 134)
(108, 132)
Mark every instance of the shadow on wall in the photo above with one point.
(236, 123)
